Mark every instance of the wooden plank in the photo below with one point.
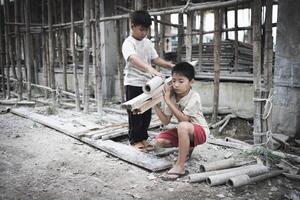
(129, 154)
(122, 151)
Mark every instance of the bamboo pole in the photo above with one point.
(244, 179)
(201, 40)
(217, 165)
(28, 49)
(2, 54)
(6, 14)
(51, 50)
(44, 51)
(188, 45)
(18, 51)
(180, 37)
(268, 61)
(256, 20)
(74, 59)
(98, 73)
(86, 63)
(236, 39)
(217, 49)
(223, 178)
(63, 48)
(94, 45)
(120, 59)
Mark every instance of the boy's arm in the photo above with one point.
(162, 116)
(140, 64)
(161, 62)
(181, 117)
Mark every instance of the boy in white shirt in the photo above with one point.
(185, 104)
(139, 54)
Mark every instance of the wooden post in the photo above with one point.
(236, 39)
(94, 45)
(74, 59)
(268, 59)
(200, 41)
(18, 51)
(188, 44)
(226, 23)
(267, 67)
(138, 4)
(156, 38)
(86, 53)
(256, 20)
(2, 54)
(98, 72)
(120, 58)
(27, 48)
(51, 50)
(162, 37)
(63, 48)
(217, 49)
(6, 14)
(44, 51)
(180, 37)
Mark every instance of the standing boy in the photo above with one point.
(139, 54)
(185, 104)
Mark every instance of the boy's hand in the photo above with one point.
(167, 91)
(154, 72)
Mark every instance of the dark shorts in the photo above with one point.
(172, 136)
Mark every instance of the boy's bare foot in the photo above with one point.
(174, 173)
(148, 146)
(139, 146)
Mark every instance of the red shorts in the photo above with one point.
(172, 136)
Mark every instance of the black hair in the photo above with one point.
(184, 69)
(141, 17)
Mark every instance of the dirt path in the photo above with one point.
(39, 163)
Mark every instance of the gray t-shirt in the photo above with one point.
(190, 105)
(144, 49)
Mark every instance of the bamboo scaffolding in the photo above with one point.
(6, 14)
(2, 56)
(256, 19)
(51, 50)
(18, 52)
(86, 65)
(63, 48)
(217, 49)
(28, 49)
(74, 59)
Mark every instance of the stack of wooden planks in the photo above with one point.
(245, 56)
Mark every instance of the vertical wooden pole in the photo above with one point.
(120, 58)
(256, 20)
(27, 48)
(18, 50)
(94, 45)
(74, 59)
(86, 53)
(226, 23)
(2, 54)
(188, 44)
(236, 39)
(217, 51)
(156, 38)
(201, 41)
(44, 51)
(6, 14)
(98, 71)
(268, 59)
(64, 48)
(268, 65)
(180, 37)
(138, 5)
(51, 50)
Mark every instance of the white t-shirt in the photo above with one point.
(144, 49)
(190, 105)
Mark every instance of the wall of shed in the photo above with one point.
(286, 100)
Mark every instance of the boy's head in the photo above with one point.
(183, 75)
(184, 69)
(140, 23)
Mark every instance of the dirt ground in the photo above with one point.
(37, 162)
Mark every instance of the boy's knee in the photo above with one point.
(184, 126)
(162, 142)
